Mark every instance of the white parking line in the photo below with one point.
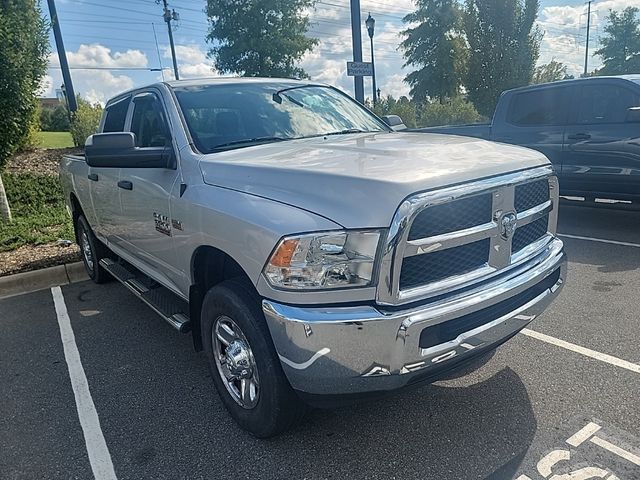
(600, 240)
(601, 442)
(603, 357)
(99, 456)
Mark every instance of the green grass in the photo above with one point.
(54, 139)
(39, 212)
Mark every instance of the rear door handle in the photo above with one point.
(126, 184)
(93, 177)
(579, 136)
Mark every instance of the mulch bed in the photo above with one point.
(44, 162)
(34, 257)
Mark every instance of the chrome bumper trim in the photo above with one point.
(340, 350)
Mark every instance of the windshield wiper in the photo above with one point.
(350, 130)
(249, 141)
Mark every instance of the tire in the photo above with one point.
(269, 405)
(92, 251)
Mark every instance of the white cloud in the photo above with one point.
(46, 86)
(327, 63)
(189, 54)
(192, 63)
(98, 85)
(96, 55)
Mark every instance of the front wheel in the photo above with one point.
(243, 362)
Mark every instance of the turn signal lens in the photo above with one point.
(284, 253)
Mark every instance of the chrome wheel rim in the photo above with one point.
(87, 254)
(234, 360)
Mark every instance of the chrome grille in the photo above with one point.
(450, 217)
(455, 237)
(530, 194)
(529, 234)
(420, 269)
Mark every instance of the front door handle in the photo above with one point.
(579, 136)
(93, 177)
(126, 184)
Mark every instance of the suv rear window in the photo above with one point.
(539, 107)
(116, 114)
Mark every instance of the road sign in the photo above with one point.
(359, 69)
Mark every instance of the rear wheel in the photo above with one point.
(243, 362)
(92, 251)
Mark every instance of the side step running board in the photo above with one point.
(174, 310)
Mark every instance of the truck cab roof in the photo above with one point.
(634, 78)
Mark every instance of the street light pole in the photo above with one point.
(586, 48)
(371, 23)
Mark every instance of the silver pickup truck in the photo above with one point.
(314, 254)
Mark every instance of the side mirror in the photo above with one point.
(118, 150)
(633, 115)
(395, 122)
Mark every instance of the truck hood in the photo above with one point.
(359, 180)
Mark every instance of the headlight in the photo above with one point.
(324, 260)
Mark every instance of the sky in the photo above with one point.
(116, 45)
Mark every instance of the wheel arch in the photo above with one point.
(209, 266)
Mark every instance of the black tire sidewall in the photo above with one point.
(278, 406)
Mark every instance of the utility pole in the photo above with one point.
(586, 48)
(356, 42)
(62, 56)
(168, 16)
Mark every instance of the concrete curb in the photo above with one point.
(27, 282)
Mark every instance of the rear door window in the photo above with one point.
(539, 107)
(605, 104)
(115, 116)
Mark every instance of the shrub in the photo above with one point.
(54, 119)
(452, 112)
(403, 107)
(39, 210)
(85, 121)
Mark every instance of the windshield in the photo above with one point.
(222, 117)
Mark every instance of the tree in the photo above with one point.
(259, 38)
(85, 121)
(24, 46)
(436, 46)
(550, 72)
(504, 47)
(620, 49)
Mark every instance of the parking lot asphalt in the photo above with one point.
(512, 418)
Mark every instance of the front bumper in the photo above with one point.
(359, 349)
